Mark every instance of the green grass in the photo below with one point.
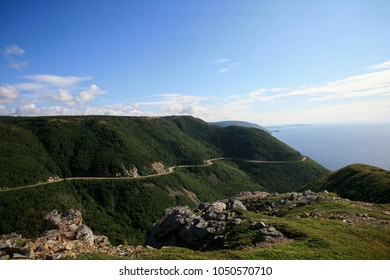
(311, 239)
(356, 182)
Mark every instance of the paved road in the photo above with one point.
(169, 171)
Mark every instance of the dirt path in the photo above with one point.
(169, 171)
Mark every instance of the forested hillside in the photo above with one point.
(357, 182)
(33, 149)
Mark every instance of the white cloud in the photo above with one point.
(360, 111)
(57, 81)
(89, 94)
(264, 98)
(355, 86)
(63, 96)
(257, 92)
(360, 98)
(279, 89)
(383, 65)
(10, 53)
(193, 110)
(174, 98)
(230, 67)
(31, 109)
(223, 70)
(12, 50)
(17, 65)
(27, 110)
(49, 88)
(30, 86)
(176, 104)
(8, 93)
(219, 61)
(325, 98)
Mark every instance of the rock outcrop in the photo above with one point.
(207, 227)
(158, 167)
(63, 235)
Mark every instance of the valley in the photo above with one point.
(124, 173)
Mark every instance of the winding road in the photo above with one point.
(169, 171)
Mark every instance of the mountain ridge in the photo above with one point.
(239, 123)
(34, 149)
(357, 182)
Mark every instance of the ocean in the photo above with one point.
(335, 146)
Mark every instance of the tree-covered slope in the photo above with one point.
(122, 210)
(33, 149)
(239, 123)
(252, 143)
(357, 182)
(23, 158)
(283, 176)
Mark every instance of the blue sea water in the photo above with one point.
(335, 146)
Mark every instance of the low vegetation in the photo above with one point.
(357, 182)
(363, 232)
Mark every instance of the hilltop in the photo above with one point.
(239, 123)
(35, 149)
(358, 182)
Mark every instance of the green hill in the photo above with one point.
(357, 182)
(33, 149)
(122, 210)
(238, 123)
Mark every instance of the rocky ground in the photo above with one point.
(280, 204)
(208, 227)
(63, 235)
(222, 224)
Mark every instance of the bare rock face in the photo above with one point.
(158, 167)
(62, 234)
(206, 227)
(68, 221)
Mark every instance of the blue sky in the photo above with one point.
(268, 62)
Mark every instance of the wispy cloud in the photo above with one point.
(279, 89)
(355, 86)
(58, 81)
(223, 70)
(384, 65)
(219, 61)
(173, 98)
(356, 98)
(227, 67)
(30, 86)
(257, 92)
(230, 67)
(11, 54)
